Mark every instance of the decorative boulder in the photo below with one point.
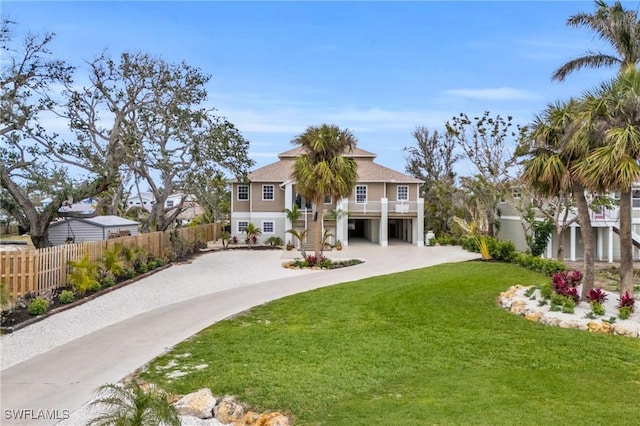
(228, 410)
(197, 404)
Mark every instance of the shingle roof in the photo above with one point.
(357, 152)
(368, 171)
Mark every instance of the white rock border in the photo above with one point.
(515, 301)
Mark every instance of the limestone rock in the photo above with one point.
(568, 324)
(599, 327)
(228, 410)
(533, 316)
(197, 404)
(265, 419)
(624, 331)
(518, 306)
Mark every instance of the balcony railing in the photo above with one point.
(393, 207)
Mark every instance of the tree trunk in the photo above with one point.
(491, 220)
(626, 243)
(587, 238)
(560, 238)
(319, 216)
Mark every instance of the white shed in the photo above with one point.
(97, 228)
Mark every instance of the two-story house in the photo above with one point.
(385, 204)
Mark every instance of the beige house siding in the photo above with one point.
(392, 191)
(260, 205)
(239, 205)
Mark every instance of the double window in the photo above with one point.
(268, 193)
(361, 194)
(243, 192)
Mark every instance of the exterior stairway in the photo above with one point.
(635, 238)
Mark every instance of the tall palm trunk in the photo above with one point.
(626, 243)
(587, 238)
(319, 216)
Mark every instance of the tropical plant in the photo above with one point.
(112, 261)
(556, 142)
(612, 110)
(322, 169)
(614, 25)
(325, 238)
(300, 237)
(253, 232)
(5, 299)
(293, 214)
(130, 405)
(84, 275)
(225, 237)
(274, 241)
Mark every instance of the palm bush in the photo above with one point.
(84, 275)
(130, 405)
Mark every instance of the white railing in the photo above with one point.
(393, 207)
(403, 207)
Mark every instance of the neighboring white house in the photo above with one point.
(145, 200)
(605, 224)
(78, 230)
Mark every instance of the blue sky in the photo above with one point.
(378, 68)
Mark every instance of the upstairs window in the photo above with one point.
(403, 193)
(361, 194)
(243, 192)
(267, 192)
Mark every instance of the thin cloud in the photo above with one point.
(500, 93)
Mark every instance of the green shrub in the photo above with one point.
(445, 240)
(66, 297)
(107, 280)
(129, 273)
(546, 291)
(503, 251)
(38, 306)
(274, 241)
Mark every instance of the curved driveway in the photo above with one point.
(57, 363)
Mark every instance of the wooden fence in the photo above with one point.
(42, 270)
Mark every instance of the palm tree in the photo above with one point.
(614, 25)
(300, 237)
(131, 406)
(323, 170)
(252, 231)
(554, 144)
(614, 112)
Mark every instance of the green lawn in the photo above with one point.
(422, 347)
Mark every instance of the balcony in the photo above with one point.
(409, 208)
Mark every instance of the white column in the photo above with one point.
(342, 223)
(288, 204)
(420, 222)
(610, 247)
(384, 221)
(599, 245)
(572, 246)
(550, 247)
